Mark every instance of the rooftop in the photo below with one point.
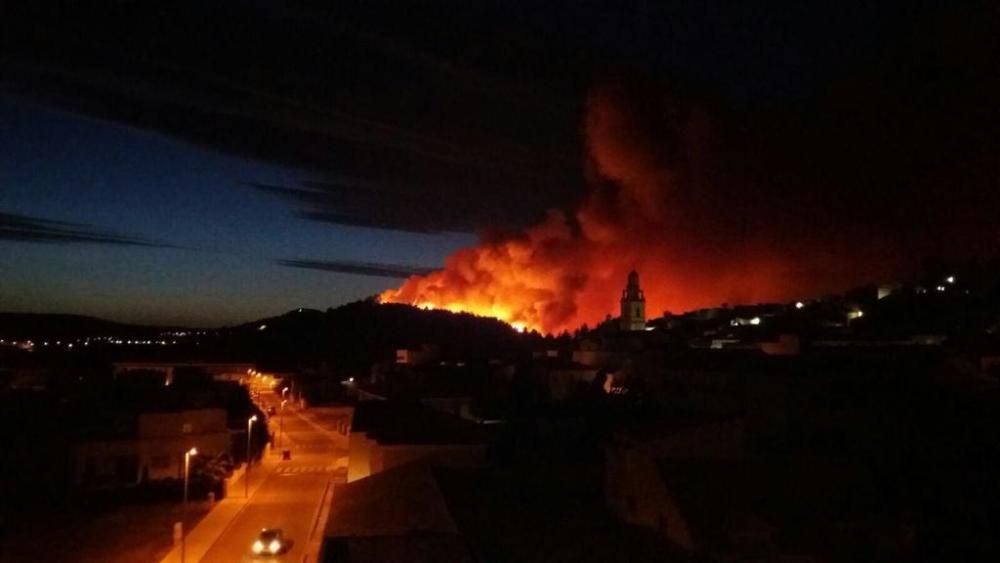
(417, 513)
(398, 501)
(800, 498)
(544, 513)
(399, 422)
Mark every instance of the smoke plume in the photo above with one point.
(703, 221)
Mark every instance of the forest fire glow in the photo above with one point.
(652, 205)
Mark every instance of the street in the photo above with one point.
(293, 491)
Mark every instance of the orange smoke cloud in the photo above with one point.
(651, 206)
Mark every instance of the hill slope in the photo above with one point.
(39, 325)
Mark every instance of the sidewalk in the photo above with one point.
(200, 539)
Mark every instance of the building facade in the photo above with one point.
(153, 450)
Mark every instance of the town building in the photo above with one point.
(397, 515)
(385, 434)
(148, 447)
(707, 491)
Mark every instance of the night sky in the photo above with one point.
(178, 237)
(211, 165)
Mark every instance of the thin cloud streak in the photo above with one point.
(384, 206)
(374, 269)
(24, 228)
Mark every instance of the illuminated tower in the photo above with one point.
(633, 305)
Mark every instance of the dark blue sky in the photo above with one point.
(224, 235)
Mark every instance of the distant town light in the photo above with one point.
(262, 327)
(799, 304)
(950, 279)
(350, 379)
(940, 288)
(755, 321)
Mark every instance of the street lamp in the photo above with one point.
(281, 421)
(246, 478)
(283, 391)
(184, 506)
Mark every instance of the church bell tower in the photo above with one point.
(633, 304)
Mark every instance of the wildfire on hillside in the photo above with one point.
(655, 204)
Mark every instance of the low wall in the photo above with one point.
(230, 481)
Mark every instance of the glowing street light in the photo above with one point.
(283, 391)
(950, 279)
(281, 421)
(246, 478)
(799, 304)
(187, 471)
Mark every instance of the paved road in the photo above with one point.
(290, 497)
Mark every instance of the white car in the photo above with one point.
(270, 541)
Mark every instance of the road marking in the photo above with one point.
(307, 469)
